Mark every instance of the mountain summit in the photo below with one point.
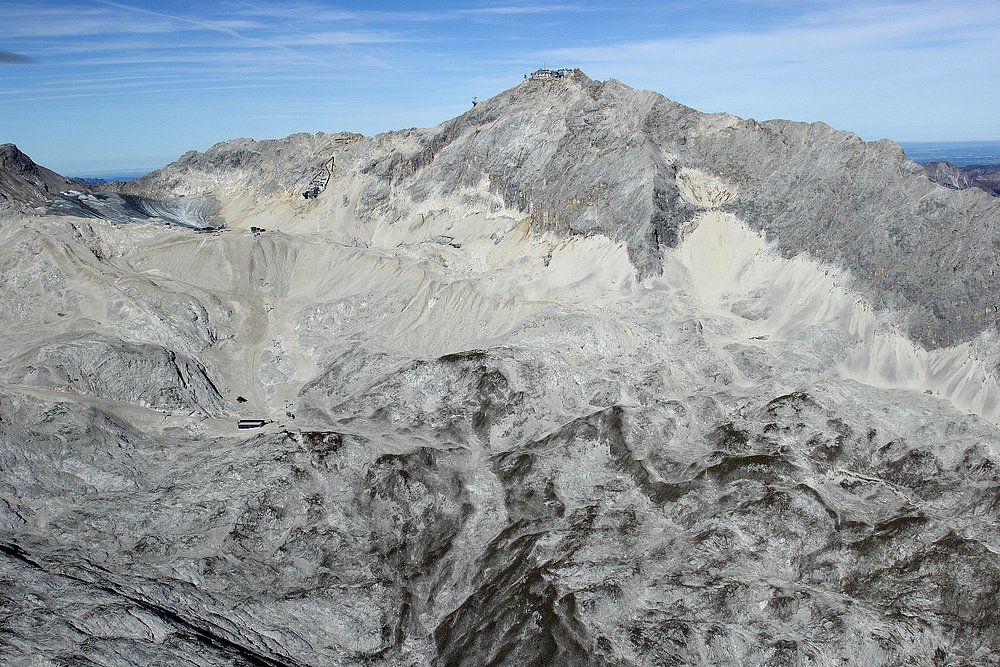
(577, 157)
(580, 377)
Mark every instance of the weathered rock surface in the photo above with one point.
(136, 373)
(24, 183)
(197, 213)
(244, 166)
(581, 377)
(983, 176)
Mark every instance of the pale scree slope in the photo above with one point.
(581, 377)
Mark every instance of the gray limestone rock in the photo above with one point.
(984, 177)
(137, 373)
(580, 377)
(262, 167)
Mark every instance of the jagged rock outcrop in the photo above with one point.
(136, 373)
(984, 177)
(24, 184)
(580, 377)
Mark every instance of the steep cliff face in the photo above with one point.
(581, 377)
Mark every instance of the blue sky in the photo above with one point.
(88, 86)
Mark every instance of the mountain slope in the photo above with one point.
(577, 157)
(581, 377)
(985, 177)
(22, 182)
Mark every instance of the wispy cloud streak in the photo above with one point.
(838, 63)
(181, 69)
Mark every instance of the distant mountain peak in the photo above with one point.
(984, 177)
(23, 183)
(14, 160)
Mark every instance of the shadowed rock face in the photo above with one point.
(983, 176)
(581, 377)
(24, 183)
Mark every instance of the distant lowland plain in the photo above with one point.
(959, 153)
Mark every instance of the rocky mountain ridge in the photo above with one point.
(580, 377)
(579, 157)
(26, 187)
(23, 183)
(986, 177)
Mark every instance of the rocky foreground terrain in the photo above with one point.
(580, 377)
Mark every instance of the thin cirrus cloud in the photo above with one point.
(192, 72)
(861, 67)
(65, 20)
(314, 34)
(243, 34)
(318, 12)
(821, 40)
(228, 26)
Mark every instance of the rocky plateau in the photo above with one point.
(582, 377)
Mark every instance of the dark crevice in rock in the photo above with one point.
(189, 628)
